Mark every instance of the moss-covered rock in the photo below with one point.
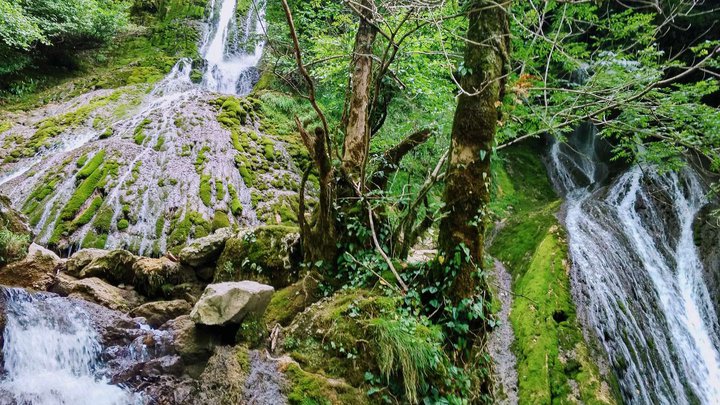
(150, 275)
(267, 254)
(309, 388)
(115, 266)
(293, 299)
(206, 250)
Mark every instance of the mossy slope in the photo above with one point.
(555, 364)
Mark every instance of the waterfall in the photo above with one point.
(232, 49)
(637, 273)
(51, 355)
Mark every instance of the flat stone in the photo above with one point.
(205, 250)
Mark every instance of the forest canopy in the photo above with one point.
(32, 30)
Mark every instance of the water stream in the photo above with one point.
(52, 355)
(233, 47)
(637, 274)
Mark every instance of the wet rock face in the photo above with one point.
(231, 302)
(707, 239)
(145, 169)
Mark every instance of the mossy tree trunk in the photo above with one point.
(357, 131)
(467, 183)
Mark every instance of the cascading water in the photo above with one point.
(51, 355)
(637, 274)
(233, 48)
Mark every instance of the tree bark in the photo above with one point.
(357, 133)
(467, 183)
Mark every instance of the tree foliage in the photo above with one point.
(31, 30)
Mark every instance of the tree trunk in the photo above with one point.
(357, 133)
(467, 189)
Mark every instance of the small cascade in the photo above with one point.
(637, 275)
(52, 355)
(233, 47)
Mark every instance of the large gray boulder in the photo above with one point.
(231, 302)
(205, 250)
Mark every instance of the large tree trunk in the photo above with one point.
(467, 190)
(357, 133)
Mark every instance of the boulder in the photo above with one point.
(115, 266)
(36, 271)
(231, 302)
(267, 254)
(97, 291)
(193, 344)
(150, 275)
(205, 250)
(81, 259)
(158, 312)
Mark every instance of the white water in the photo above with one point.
(230, 69)
(51, 355)
(639, 271)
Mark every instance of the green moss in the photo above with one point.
(5, 125)
(160, 226)
(91, 166)
(139, 135)
(201, 158)
(159, 144)
(192, 225)
(220, 220)
(219, 190)
(205, 190)
(81, 160)
(53, 126)
(107, 133)
(88, 214)
(123, 224)
(552, 355)
(313, 389)
(235, 205)
(269, 149)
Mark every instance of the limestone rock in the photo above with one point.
(193, 344)
(266, 254)
(114, 266)
(230, 302)
(97, 291)
(81, 259)
(149, 275)
(36, 271)
(158, 312)
(205, 250)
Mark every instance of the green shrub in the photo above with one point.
(13, 246)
